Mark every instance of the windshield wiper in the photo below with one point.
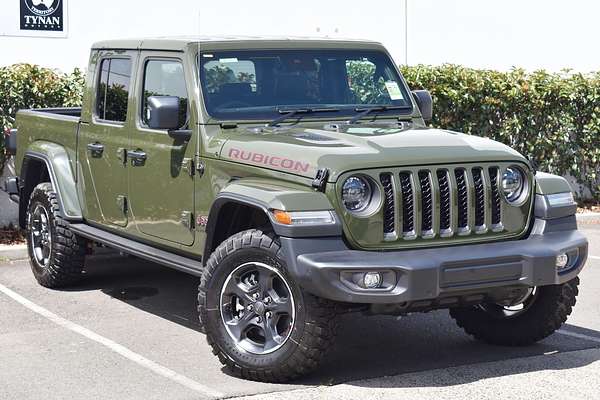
(289, 113)
(364, 111)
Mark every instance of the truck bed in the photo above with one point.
(55, 125)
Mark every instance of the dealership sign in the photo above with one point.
(40, 18)
(42, 15)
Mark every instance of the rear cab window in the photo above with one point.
(112, 92)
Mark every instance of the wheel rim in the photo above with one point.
(40, 237)
(257, 308)
(518, 306)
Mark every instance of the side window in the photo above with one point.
(165, 78)
(113, 89)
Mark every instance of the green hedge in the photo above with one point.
(31, 86)
(553, 118)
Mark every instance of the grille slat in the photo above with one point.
(389, 204)
(426, 203)
(408, 205)
(462, 192)
(444, 185)
(495, 193)
(479, 197)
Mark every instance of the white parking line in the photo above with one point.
(594, 257)
(117, 348)
(578, 335)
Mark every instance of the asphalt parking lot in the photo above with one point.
(130, 332)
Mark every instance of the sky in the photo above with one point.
(531, 34)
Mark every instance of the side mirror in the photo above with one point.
(163, 112)
(425, 104)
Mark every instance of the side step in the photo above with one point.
(168, 259)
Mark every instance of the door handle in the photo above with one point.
(138, 157)
(95, 149)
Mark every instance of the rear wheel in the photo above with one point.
(56, 254)
(538, 314)
(259, 323)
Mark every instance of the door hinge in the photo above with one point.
(188, 166)
(187, 219)
(122, 203)
(122, 155)
(199, 165)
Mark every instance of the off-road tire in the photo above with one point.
(546, 314)
(67, 254)
(313, 330)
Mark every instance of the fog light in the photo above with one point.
(562, 261)
(372, 280)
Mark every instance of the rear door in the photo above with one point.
(103, 140)
(161, 189)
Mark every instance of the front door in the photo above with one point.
(161, 189)
(104, 139)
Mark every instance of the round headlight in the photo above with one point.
(513, 183)
(356, 194)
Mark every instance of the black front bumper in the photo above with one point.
(322, 266)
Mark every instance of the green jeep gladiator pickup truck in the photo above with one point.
(297, 178)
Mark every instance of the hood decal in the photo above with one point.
(270, 160)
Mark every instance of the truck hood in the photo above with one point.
(303, 149)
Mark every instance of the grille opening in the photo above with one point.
(408, 206)
(388, 205)
(442, 176)
(479, 196)
(426, 201)
(496, 217)
(462, 197)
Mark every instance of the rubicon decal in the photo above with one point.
(269, 160)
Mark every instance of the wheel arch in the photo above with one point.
(257, 198)
(49, 162)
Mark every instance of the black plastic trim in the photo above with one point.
(317, 264)
(281, 230)
(543, 209)
(53, 180)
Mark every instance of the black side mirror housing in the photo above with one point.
(425, 104)
(163, 112)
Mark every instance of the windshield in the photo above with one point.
(261, 84)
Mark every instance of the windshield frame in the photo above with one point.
(346, 111)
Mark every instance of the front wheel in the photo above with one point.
(258, 321)
(537, 315)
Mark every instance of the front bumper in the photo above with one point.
(322, 266)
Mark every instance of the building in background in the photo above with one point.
(500, 34)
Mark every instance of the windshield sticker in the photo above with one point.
(269, 160)
(228, 60)
(393, 90)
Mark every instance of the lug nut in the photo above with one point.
(268, 314)
(255, 296)
(258, 319)
(267, 300)
(250, 307)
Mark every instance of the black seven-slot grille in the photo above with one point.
(441, 202)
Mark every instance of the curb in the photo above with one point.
(588, 218)
(13, 253)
